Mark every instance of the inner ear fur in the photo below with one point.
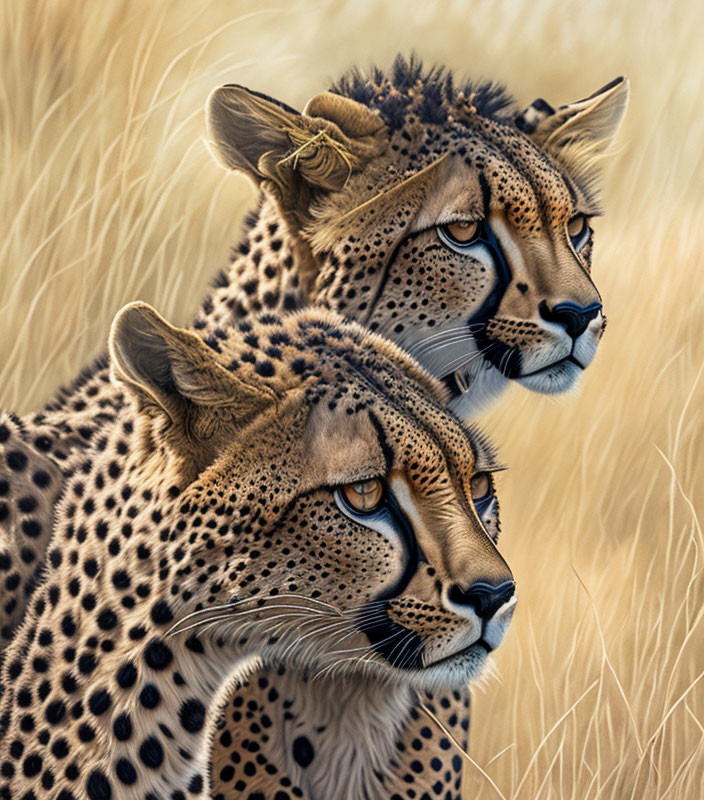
(293, 154)
(172, 371)
(577, 134)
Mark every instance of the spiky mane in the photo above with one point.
(429, 92)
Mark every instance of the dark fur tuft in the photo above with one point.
(392, 93)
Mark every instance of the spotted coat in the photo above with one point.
(433, 143)
(202, 531)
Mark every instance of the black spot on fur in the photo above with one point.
(125, 771)
(157, 655)
(99, 702)
(303, 752)
(151, 753)
(161, 613)
(98, 786)
(122, 727)
(192, 715)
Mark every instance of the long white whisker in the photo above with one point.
(441, 341)
(234, 608)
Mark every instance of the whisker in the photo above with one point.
(240, 613)
(234, 607)
(470, 327)
(428, 347)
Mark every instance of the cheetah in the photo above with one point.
(48, 440)
(37, 452)
(437, 214)
(293, 491)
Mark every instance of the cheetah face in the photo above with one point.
(334, 515)
(491, 280)
(506, 296)
(441, 217)
(395, 553)
(430, 632)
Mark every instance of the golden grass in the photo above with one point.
(108, 194)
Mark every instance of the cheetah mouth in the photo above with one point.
(555, 365)
(569, 367)
(481, 646)
(404, 649)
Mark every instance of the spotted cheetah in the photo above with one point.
(434, 213)
(47, 440)
(293, 491)
(37, 453)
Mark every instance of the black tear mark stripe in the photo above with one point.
(486, 193)
(386, 449)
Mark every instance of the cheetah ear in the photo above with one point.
(356, 121)
(173, 371)
(293, 154)
(577, 134)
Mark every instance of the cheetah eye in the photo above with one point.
(463, 237)
(462, 232)
(579, 231)
(480, 486)
(364, 496)
(482, 492)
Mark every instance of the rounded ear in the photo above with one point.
(290, 152)
(173, 371)
(354, 119)
(244, 125)
(578, 134)
(595, 118)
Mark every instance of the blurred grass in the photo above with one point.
(108, 194)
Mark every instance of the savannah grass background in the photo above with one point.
(108, 194)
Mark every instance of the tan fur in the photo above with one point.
(173, 563)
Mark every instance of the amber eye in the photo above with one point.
(576, 225)
(480, 485)
(462, 232)
(578, 230)
(365, 495)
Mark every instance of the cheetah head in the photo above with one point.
(440, 216)
(332, 514)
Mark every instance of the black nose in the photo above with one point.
(573, 318)
(485, 598)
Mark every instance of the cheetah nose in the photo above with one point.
(485, 598)
(573, 318)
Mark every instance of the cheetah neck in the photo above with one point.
(333, 738)
(275, 269)
(272, 269)
(95, 692)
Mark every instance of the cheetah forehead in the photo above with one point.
(317, 346)
(354, 379)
